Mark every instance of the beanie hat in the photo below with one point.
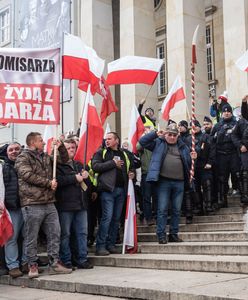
(184, 124)
(171, 122)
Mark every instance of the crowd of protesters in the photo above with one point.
(68, 207)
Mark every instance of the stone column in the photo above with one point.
(182, 18)
(96, 30)
(235, 14)
(137, 37)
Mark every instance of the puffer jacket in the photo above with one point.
(159, 149)
(12, 199)
(34, 172)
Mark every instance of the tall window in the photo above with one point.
(161, 75)
(5, 26)
(209, 45)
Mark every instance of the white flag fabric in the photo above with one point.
(133, 69)
(242, 62)
(48, 136)
(175, 95)
(130, 230)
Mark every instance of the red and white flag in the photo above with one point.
(48, 136)
(108, 104)
(75, 61)
(133, 69)
(194, 40)
(6, 226)
(96, 66)
(242, 62)
(175, 95)
(92, 124)
(136, 129)
(130, 242)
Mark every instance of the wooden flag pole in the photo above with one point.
(192, 171)
(55, 154)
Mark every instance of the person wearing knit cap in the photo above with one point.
(227, 159)
(184, 132)
(216, 105)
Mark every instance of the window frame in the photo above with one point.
(162, 93)
(6, 9)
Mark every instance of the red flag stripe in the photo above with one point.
(176, 97)
(75, 68)
(132, 76)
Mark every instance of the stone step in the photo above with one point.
(215, 218)
(199, 248)
(202, 263)
(223, 236)
(137, 283)
(229, 210)
(222, 226)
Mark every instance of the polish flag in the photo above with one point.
(49, 135)
(134, 69)
(96, 66)
(130, 242)
(108, 104)
(194, 40)
(91, 129)
(175, 95)
(242, 62)
(136, 129)
(6, 226)
(75, 61)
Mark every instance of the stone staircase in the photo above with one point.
(214, 243)
(211, 264)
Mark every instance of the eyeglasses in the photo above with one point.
(172, 134)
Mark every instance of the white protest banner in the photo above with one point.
(29, 85)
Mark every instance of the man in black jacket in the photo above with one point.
(240, 140)
(71, 198)
(227, 159)
(12, 203)
(112, 164)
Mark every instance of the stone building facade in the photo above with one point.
(153, 28)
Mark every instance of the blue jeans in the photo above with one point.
(169, 191)
(112, 204)
(11, 247)
(75, 221)
(147, 197)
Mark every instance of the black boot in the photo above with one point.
(207, 196)
(222, 199)
(188, 207)
(244, 186)
(197, 203)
